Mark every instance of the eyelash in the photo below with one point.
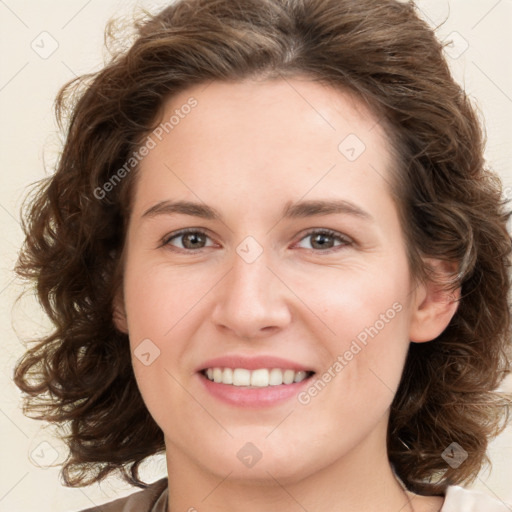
(344, 239)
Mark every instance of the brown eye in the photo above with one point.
(189, 240)
(324, 240)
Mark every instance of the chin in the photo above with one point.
(261, 461)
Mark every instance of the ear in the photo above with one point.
(434, 306)
(119, 313)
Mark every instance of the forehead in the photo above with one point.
(268, 106)
(260, 139)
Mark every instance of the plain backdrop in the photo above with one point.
(46, 43)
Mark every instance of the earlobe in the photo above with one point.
(119, 314)
(435, 304)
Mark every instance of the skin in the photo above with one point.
(247, 149)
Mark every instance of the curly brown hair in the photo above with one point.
(450, 206)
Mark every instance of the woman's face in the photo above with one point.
(295, 252)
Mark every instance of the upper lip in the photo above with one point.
(252, 363)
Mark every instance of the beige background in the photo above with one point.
(29, 79)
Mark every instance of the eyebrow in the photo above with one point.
(292, 210)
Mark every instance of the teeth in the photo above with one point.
(288, 376)
(260, 378)
(217, 375)
(275, 377)
(241, 377)
(227, 376)
(299, 376)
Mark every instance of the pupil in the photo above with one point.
(194, 237)
(318, 239)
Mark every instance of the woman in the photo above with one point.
(271, 249)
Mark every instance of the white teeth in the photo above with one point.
(275, 377)
(241, 377)
(288, 376)
(227, 376)
(217, 375)
(260, 378)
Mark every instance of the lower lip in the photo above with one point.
(253, 397)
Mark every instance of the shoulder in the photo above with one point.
(458, 499)
(151, 499)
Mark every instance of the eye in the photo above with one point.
(191, 239)
(323, 239)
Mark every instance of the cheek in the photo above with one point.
(160, 298)
(161, 314)
(162, 308)
(366, 321)
(359, 304)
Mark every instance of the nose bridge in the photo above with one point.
(252, 298)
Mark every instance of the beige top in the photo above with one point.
(155, 499)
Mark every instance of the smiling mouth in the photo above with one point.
(260, 378)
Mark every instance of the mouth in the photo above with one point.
(257, 378)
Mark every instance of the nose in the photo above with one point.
(252, 301)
